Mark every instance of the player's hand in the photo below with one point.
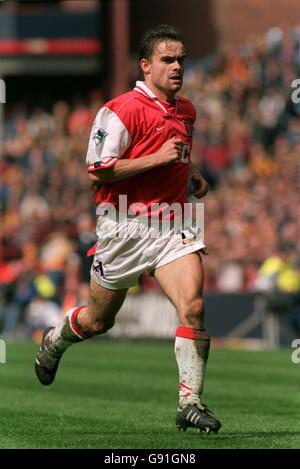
(170, 151)
(200, 186)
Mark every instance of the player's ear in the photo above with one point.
(145, 66)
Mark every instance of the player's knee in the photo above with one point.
(100, 326)
(193, 312)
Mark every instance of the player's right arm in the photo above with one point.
(109, 141)
(168, 153)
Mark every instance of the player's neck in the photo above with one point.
(160, 94)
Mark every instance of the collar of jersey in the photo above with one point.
(142, 88)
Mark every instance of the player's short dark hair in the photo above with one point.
(160, 33)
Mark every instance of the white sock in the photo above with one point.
(191, 350)
(61, 337)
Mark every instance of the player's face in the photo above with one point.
(164, 71)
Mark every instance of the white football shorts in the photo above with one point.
(127, 248)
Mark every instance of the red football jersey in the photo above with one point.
(136, 124)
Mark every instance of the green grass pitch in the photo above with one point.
(111, 394)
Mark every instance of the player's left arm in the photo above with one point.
(200, 186)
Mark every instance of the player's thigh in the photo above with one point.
(182, 280)
(104, 303)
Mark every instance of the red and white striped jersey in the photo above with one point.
(136, 124)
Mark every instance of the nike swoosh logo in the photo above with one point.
(160, 128)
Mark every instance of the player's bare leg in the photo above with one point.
(80, 323)
(182, 281)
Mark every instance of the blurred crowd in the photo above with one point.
(246, 143)
(47, 216)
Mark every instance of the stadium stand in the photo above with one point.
(247, 144)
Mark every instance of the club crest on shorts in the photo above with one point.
(99, 135)
(98, 267)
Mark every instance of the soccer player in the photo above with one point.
(140, 146)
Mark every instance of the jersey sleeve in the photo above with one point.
(108, 141)
(192, 113)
